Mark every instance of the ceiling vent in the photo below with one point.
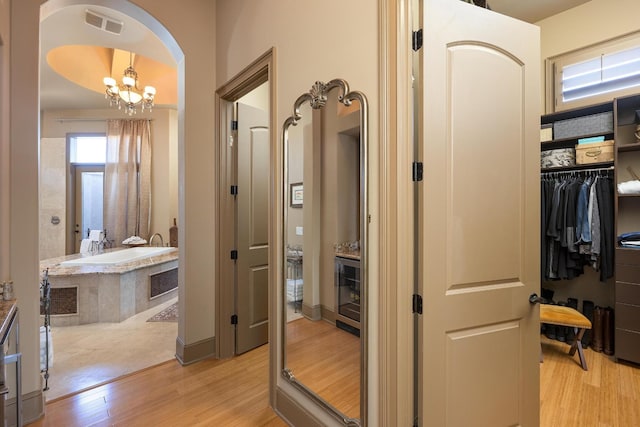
(103, 22)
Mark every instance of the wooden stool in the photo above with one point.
(567, 316)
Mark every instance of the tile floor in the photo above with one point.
(87, 355)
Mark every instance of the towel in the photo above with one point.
(95, 235)
(85, 246)
(629, 187)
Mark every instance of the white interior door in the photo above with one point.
(479, 349)
(252, 288)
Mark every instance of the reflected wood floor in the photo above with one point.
(327, 360)
(234, 392)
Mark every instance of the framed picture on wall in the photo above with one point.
(296, 194)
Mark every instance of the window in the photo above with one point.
(87, 149)
(595, 74)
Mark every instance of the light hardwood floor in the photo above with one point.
(327, 360)
(230, 392)
(234, 392)
(607, 395)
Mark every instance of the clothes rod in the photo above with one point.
(570, 171)
(91, 119)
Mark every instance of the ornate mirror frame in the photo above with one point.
(317, 99)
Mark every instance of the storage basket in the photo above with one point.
(561, 157)
(595, 152)
(600, 123)
(546, 133)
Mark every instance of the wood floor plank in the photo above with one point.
(231, 392)
(607, 395)
(234, 392)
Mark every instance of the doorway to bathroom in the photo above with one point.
(85, 355)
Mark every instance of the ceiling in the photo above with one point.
(91, 56)
(82, 55)
(532, 10)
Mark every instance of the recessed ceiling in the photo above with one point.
(533, 10)
(86, 66)
(76, 55)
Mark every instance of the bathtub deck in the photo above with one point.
(108, 293)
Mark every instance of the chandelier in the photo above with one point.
(128, 94)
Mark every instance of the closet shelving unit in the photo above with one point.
(626, 211)
(558, 143)
(627, 215)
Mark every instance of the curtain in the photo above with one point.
(127, 180)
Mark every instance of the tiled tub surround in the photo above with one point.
(109, 292)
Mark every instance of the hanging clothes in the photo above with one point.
(576, 224)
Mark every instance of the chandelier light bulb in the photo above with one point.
(129, 81)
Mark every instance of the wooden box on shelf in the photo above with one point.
(594, 152)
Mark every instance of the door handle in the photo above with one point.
(535, 299)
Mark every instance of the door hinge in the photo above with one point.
(416, 40)
(234, 254)
(234, 125)
(417, 171)
(234, 190)
(417, 303)
(234, 319)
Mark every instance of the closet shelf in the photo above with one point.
(626, 248)
(574, 140)
(578, 167)
(629, 147)
(628, 195)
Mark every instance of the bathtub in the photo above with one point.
(112, 286)
(118, 257)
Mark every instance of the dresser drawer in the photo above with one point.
(627, 345)
(628, 273)
(627, 316)
(628, 293)
(628, 256)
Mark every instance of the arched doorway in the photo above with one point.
(85, 362)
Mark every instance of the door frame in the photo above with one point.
(76, 170)
(254, 75)
(396, 224)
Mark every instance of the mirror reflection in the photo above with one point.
(325, 239)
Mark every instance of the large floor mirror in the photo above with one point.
(324, 349)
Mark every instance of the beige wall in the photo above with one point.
(340, 195)
(57, 124)
(313, 40)
(53, 200)
(191, 23)
(4, 139)
(23, 189)
(259, 97)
